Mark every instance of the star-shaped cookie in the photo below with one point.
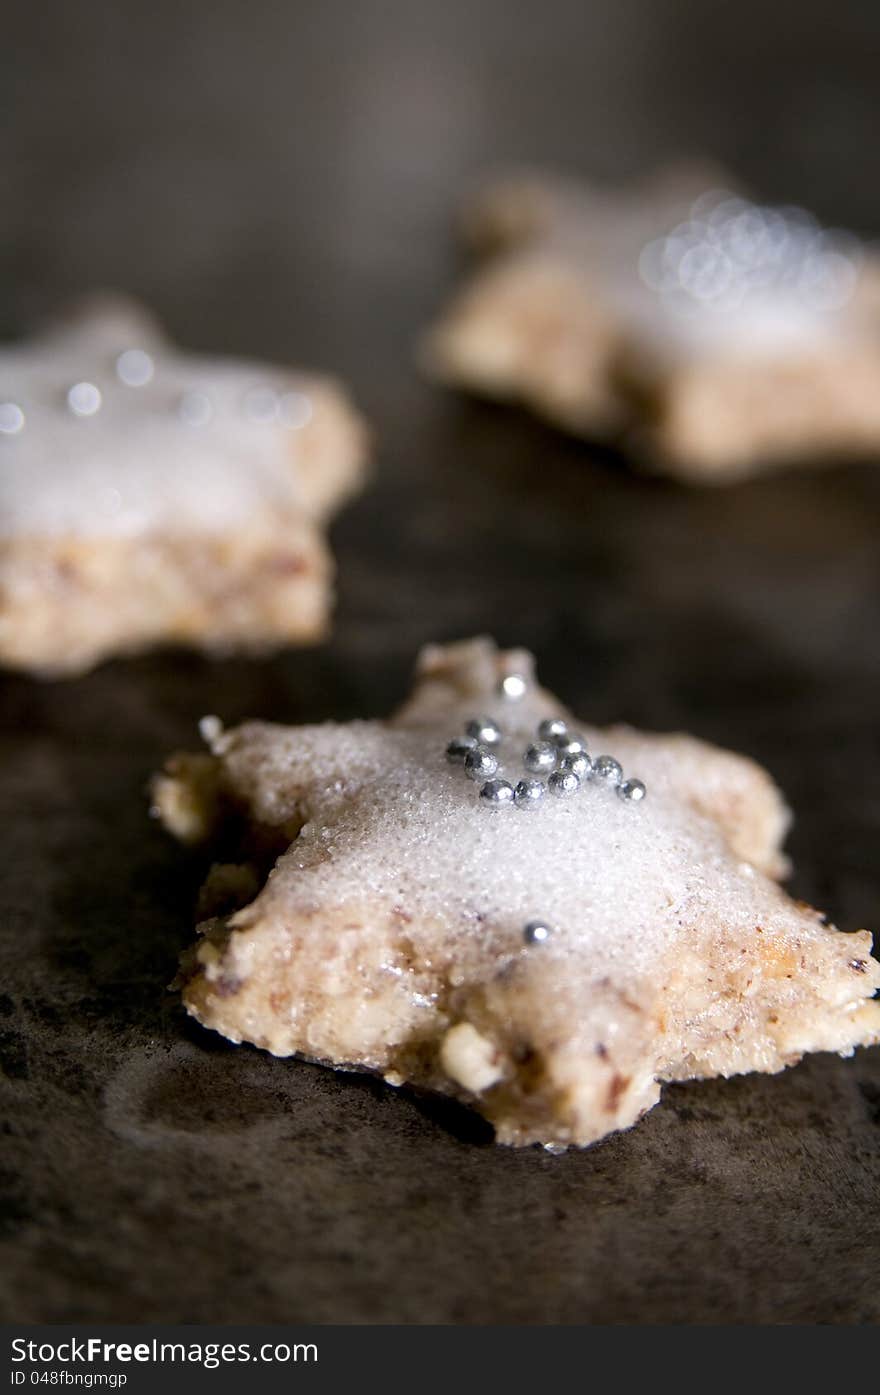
(394, 896)
(711, 336)
(149, 496)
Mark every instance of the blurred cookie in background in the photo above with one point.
(148, 496)
(711, 336)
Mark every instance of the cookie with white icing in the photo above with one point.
(150, 496)
(549, 960)
(711, 336)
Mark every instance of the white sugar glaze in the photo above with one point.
(137, 464)
(390, 821)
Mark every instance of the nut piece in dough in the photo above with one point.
(550, 965)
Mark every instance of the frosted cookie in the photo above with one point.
(711, 336)
(483, 898)
(150, 496)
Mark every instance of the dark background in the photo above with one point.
(278, 179)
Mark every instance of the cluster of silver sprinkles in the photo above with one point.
(732, 253)
(135, 368)
(557, 753)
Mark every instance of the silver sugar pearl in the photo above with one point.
(484, 730)
(512, 686)
(536, 932)
(563, 783)
(195, 408)
(480, 764)
(135, 368)
(552, 729)
(458, 748)
(295, 410)
(607, 768)
(571, 744)
(11, 419)
(529, 793)
(261, 405)
(632, 790)
(540, 757)
(497, 792)
(579, 765)
(84, 399)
